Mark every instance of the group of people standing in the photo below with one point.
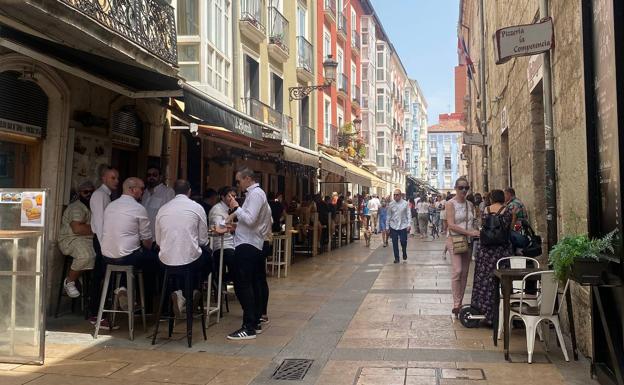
(152, 226)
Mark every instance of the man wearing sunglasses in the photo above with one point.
(398, 224)
(76, 238)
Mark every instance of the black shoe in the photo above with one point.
(404, 257)
(242, 334)
(258, 328)
(396, 261)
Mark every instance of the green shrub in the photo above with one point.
(570, 248)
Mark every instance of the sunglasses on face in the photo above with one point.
(463, 188)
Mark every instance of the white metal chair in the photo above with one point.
(515, 262)
(532, 316)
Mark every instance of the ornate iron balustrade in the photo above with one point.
(307, 137)
(148, 23)
(251, 11)
(278, 29)
(355, 39)
(342, 23)
(304, 54)
(343, 83)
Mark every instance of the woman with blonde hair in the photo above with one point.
(460, 219)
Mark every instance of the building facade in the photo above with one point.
(444, 142)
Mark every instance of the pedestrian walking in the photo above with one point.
(253, 226)
(383, 219)
(460, 219)
(398, 224)
(422, 209)
(373, 211)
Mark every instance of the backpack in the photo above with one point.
(494, 232)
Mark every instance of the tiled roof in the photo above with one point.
(448, 126)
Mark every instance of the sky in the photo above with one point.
(424, 34)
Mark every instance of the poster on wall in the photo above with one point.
(33, 209)
(90, 153)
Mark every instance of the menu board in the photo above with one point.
(605, 88)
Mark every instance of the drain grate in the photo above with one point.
(293, 369)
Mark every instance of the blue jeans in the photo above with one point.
(395, 235)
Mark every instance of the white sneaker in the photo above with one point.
(122, 297)
(70, 289)
(179, 303)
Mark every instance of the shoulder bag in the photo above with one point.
(460, 242)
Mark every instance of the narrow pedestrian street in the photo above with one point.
(361, 318)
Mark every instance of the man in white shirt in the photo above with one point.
(373, 210)
(155, 195)
(100, 199)
(182, 235)
(398, 224)
(126, 237)
(254, 224)
(217, 218)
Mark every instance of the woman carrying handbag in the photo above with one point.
(460, 220)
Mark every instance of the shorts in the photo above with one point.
(82, 252)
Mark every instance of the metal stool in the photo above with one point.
(83, 281)
(280, 248)
(186, 274)
(130, 272)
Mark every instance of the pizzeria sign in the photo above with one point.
(524, 40)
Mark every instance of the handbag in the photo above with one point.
(534, 248)
(460, 242)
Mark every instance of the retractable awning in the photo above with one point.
(328, 163)
(355, 174)
(296, 154)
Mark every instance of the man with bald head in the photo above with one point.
(398, 224)
(126, 236)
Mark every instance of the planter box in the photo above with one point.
(589, 271)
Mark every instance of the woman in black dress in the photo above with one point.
(483, 286)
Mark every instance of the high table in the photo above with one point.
(506, 278)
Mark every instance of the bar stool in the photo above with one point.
(186, 274)
(130, 272)
(280, 248)
(84, 281)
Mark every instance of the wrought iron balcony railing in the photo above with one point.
(355, 94)
(278, 29)
(147, 23)
(330, 7)
(304, 54)
(307, 137)
(333, 135)
(251, 11)
(342, 23)
(343, 83)
(270, 116)
(355, 40)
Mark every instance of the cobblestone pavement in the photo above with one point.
(361, 318)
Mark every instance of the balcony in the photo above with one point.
(278, 35)
(274, 118)
(307, 137)
(333, 136)
(343, 85)
(143, 31)
(252, 23)
(305, 71)
(342, 26)
(355, 42)
(330, 10)
(355, 95)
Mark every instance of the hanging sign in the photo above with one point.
(523, 40)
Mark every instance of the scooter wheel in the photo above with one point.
(465, 314)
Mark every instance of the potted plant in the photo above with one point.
(578, 257)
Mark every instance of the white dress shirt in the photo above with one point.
(98, 202)
(181, 230)
(254, 219)
(216, 218)
(153, 201)
(373, 204)
(125, 226)
(399, 216)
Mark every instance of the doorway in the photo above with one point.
(20, 164)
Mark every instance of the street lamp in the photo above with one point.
(356, 124)
(329, 69)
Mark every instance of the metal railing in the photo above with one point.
(304, 54)
(148, 23)
(330, 6)
(355, 39)
(342, 23)
(355, 94)
(251, 11)
(278, 29)
(270, 116)
(343, 83)
(307, 137)
(333, 135)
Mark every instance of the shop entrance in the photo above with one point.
(20, 164)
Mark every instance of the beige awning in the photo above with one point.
(329, 163)
(355, 174)
(299, 155)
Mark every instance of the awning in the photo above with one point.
(128, 80)
(422, 184)
(328, 163)
(300, 155)
(357, 175)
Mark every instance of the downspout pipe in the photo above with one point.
(549, 136)
(483, 97)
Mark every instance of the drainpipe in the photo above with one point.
(549, 136)
(483, 97)
(235, 54)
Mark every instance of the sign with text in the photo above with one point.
(473, 139)
(523, 40)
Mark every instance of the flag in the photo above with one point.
(465, 57)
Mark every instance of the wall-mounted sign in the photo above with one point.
(20, 128)
(125, 140)
(523, 40)
(473, 139)
(535, 71)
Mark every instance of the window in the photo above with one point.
(434, 163)
(188, 17)
(326, 43)
(353, 20)
(353, 79)
(327, 118)
(302, 21)
(188, 60)
(380, 113)
(447, 162)
(447, 181)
